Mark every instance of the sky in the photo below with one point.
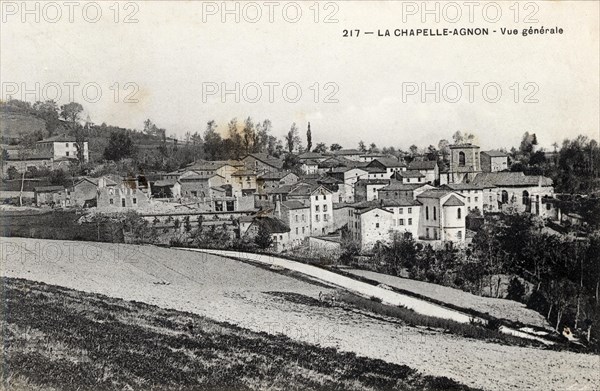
(173, 62)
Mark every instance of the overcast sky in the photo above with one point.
(171, 51)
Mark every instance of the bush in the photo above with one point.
(516, 290)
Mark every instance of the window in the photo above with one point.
(297, 218)
(401, 221)
(548, 206)
(280, 237)
(407, 180)
(409, 210)
(324, 208)
(459, 234)
(296, 230)
(317, 198)
(434, 213)
(67, 145)
(426, 213)
(490, 198)
(134, 201)
(316, 208)
(376, 225)
(476, 199)
(67, 153)
(469, 199)
(401, 210)
(111, 201)
(461, 159)
(302, 229)
(325, 197)
(325, 217)
(409, 221)
(427, 233)
(458, 213)
(303, 217)
(123, 202)
(316, 217)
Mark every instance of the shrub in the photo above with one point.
(516, 290)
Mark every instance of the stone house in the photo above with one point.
(200, 186)
(296, 215)
(130, 193)
(442, 216)
(494, 161)
(429, 169)
(320, 200)
(367, 189)
(272, 180)
(51, 195)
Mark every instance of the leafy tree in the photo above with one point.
(292, 139)
(119, 146)
(48, 111)
(361, 146)
(263, 238)
(12, 172)
(320, 148)
(213, 142)
(335, 147)
(373, 148)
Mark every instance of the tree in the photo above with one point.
(263, 238)
(249, 139)
(213, 142)
(71, 112)
(335, 147)
(414, 150)
(373, 148)
(48, 111)
(119, 146)
(361, 146)
(3, 158)
(320, 148)
(308, 139)
(292, 139)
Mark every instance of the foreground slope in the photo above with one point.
(57, 337)
(227, 290)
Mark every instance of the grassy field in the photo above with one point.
(69, 340)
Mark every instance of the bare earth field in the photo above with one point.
(250, 297)
(498, 308)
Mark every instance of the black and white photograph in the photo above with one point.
(361, 195)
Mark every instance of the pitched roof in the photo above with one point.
(165, 182)
(272, 224)
(403, 201)
(508, 179)
(265, 158)
(389, 162)
(306, 189)
(367, 210)
(465, 186)
(294, 204)
(465, 145)
(434, 193)
(409, 174)
(343, 152)
(244, 173)
(275, 175)
(453, 201)
(280, 190)
(422, 165)
(495, 153)
(399, 186)
(197, 176)
(367, 182)
(59, 138)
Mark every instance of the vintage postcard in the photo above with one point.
(300, 195)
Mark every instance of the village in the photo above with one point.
(347, 193)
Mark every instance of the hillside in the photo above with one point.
(13, 124)
(92, 341)
(264, 301)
